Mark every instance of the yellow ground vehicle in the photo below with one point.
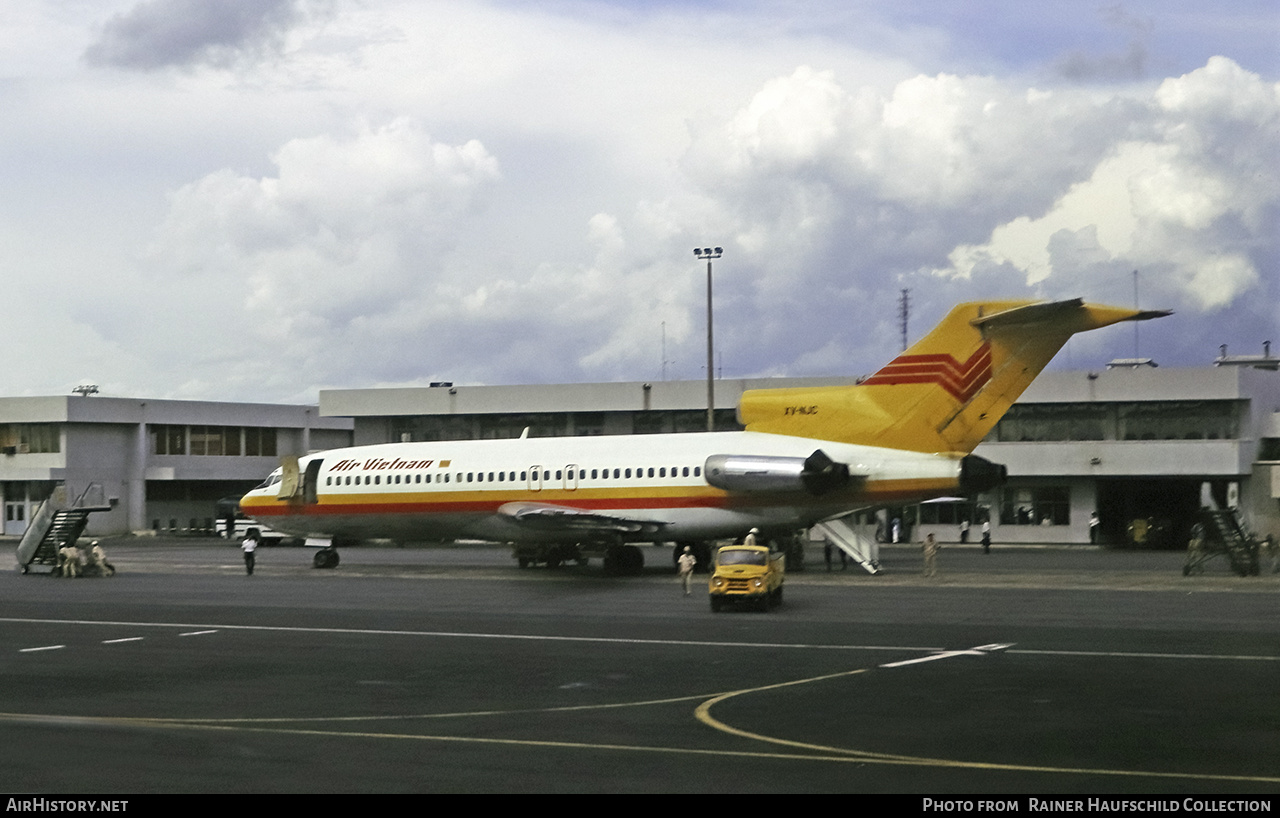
(750, 574)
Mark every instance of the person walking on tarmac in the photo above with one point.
(686, 564)
(249, 545)
(930, 555)
(986, 536)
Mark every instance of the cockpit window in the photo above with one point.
(271, 480)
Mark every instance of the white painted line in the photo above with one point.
(126, 639)
(215, 627)
(981, 650)
(46, 647)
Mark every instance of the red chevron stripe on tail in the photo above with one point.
(961, 380)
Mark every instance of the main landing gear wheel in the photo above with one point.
(326, 558)
(623, 560)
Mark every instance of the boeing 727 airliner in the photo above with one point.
(905, 434)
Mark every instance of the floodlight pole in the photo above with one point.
(709, 253)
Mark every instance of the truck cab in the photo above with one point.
(746, 574)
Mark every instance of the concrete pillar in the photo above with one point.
(136, 509)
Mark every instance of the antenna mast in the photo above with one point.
(904, 310)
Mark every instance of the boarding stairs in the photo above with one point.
(1218, 533)
(55, 525)
(854, 540)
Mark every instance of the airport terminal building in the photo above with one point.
(161, 465)
(1132, 442)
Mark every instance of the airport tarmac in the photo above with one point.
(1048, 670)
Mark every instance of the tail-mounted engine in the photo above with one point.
(979, 474)
(816, 474)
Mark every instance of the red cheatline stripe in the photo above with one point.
(961, 380)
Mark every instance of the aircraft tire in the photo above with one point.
(634, 560)
(325, 558)
(623, 560)
(702, 552)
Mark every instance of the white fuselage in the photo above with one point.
(655, 486)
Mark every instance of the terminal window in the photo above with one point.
(1146, 420)
(168, 439)
(1045, 505)
(31, 438)
(259, 442)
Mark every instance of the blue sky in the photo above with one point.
(253, 200)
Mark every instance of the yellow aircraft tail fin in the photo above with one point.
(944, 393)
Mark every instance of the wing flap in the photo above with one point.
(548, 517)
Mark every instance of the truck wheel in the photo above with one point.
(715, 605)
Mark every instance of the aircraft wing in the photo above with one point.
(548, 517)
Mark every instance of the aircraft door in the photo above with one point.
(536, 476)
(311, 482)
(15, 517)
(571, 473)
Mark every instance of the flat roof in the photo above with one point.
(572, 397)
(99, 409)
(1076, 386)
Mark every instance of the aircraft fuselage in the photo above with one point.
(619, 488)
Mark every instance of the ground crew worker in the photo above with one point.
(98, 560)
(930, 555)
(826, 555)
(750, 539)
(686, 564)
(249, 545)
(1272, 550)
(69, 561)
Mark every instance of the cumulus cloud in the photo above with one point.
(376, 257)
(1191, 202)
(834, 197)
(349, 236)
(161, 33)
